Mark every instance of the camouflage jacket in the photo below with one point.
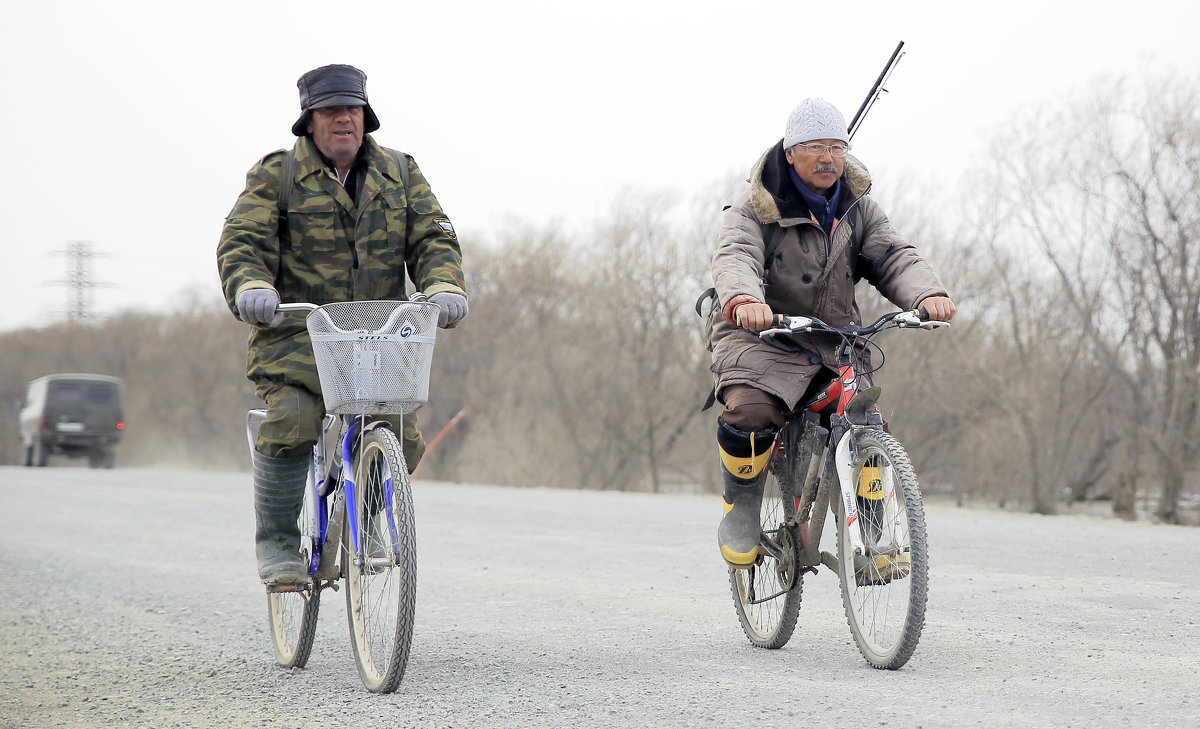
(334, 251)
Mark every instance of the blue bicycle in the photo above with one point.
(357, 523)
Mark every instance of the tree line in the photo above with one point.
(1072, 372)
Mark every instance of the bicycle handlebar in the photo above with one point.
(416, 296)
(298, 306)
(913, 318)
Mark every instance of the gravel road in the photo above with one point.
(131, 600)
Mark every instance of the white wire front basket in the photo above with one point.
(373, 356)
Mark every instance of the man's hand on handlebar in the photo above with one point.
(259, 307)
(452, 307)
(939, 308)
(753, 315)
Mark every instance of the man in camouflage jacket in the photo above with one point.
(356, 222)
(811, 202)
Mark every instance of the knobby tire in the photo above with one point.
(885, 607)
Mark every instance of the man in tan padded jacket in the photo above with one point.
(807, 205)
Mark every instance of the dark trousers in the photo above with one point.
(293, 424)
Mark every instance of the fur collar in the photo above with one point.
(769, 177)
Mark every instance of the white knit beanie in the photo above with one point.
(814, 119)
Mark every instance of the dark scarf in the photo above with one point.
(821, 207)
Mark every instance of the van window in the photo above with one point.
(100, 394)
(67, 392)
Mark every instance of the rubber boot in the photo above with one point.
(278, 496)
(886, 560)
(743, 458)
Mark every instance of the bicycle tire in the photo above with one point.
(293, 619)
(884, 599)
(292, 616)
(767, 594)
(381, 575)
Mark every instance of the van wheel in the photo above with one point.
(101, 459)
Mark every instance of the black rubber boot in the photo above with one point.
(743, 458)
(278, 497)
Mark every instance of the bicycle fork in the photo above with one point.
(882, 516)
(843, 459)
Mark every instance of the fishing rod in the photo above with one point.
(876, 90)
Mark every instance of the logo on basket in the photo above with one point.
(406, 331)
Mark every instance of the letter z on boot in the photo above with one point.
(278, 497)
(743, 457)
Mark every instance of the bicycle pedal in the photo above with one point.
(305, 587)
(771, 548)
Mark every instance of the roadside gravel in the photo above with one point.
(130, 600)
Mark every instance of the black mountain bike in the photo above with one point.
(833, 456)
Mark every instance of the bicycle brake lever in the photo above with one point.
(788, 325)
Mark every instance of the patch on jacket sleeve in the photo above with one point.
(445, 224)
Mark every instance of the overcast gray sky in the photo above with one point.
(132, 124)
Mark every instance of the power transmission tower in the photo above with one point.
(79, 281)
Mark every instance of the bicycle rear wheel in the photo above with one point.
(292, 615)
(884, 591)
(767, 594)
(381, 564)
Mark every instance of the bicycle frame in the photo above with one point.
(845, 421)
(327, 480)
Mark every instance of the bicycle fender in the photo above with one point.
(841, 459)
(374, 424)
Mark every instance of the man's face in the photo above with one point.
(338, 132)
(818, 172)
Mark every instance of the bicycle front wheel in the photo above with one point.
(381, 563)
(884, 590)
(767, 593)
(292, 615)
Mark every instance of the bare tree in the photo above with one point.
(1094, 249)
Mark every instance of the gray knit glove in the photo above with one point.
(259, 307)
(453, 307)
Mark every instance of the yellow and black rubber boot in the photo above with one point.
(743, 458)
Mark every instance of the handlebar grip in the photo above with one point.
(777, 321)
(297, 306)
(923, 315)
